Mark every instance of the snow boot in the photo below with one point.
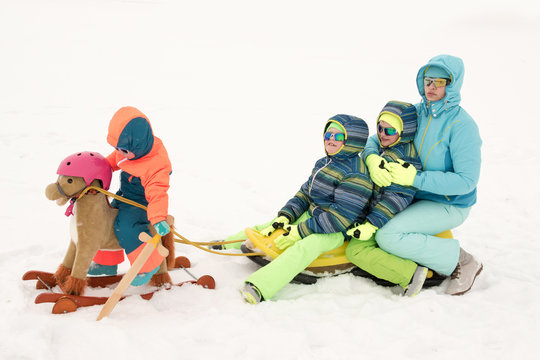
(417, 281)
(143, 278)
(251, 294)
(463, 277)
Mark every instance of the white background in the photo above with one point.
(239, 92)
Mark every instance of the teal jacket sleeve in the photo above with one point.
(372, 147)
(462, 175)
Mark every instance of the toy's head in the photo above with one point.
(78, 171)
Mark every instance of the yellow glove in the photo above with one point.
(377, 170)
(362, 232)
(402, 173)
(277, 223)
(290, 237)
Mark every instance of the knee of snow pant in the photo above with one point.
(153, 261)
(369, 257)
(241, 235)
(410, 235)
(129, 223)
(278, 273)
(109, 257)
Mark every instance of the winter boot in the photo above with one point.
(144, 278)
(96, 269)
(417, 281)
(465, 273)
(251, 294)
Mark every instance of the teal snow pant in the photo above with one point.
(369, 257)
(410, 235)
(280, 271)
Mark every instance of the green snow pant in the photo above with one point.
(369, 257)
(241, 235)
(278, 273)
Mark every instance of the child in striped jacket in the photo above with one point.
(315, 219)
(396, 128)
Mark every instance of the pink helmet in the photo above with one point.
(89, 165)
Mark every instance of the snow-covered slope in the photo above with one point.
(228, 86)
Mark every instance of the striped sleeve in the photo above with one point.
(298, 204)
(395, 197)
(350, 198)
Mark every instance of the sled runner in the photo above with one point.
(64, 303)
(330, 263)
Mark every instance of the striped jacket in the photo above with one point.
(388, 201)
(339, 187)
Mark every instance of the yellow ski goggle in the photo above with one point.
(438, 82)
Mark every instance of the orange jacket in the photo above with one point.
(130, 129)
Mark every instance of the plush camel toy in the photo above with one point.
(91, 225)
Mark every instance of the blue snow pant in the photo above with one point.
(129, 223)
(410, 235)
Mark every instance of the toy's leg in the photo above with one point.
(369, 257)
(272, 277)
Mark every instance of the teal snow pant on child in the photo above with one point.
(369, 257)
(410, 235)
(280, 271)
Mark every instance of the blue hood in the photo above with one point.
(452, 65)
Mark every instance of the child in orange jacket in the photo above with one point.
(144, 178)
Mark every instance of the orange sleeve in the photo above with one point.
(112, 161)
(156, 185)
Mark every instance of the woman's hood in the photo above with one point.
(452, 65)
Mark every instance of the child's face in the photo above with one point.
(386, 140)
(332, 146)
(125, 153)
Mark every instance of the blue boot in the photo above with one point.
(144, 278)
(96, 269)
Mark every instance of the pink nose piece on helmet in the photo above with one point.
(89, 165)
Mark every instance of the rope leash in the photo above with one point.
(182, 240)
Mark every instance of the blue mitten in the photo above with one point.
(162, 228)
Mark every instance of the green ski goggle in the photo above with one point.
(337, 136)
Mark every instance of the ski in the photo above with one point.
(64, 303)
(46, 280)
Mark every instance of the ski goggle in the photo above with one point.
(124, 151)
(337, 136)
(390, 131)
(438, 82)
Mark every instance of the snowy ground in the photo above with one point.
(228, 86)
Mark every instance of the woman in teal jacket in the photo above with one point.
(448, 143)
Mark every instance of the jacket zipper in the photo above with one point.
(314, 176)
(424, 136)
